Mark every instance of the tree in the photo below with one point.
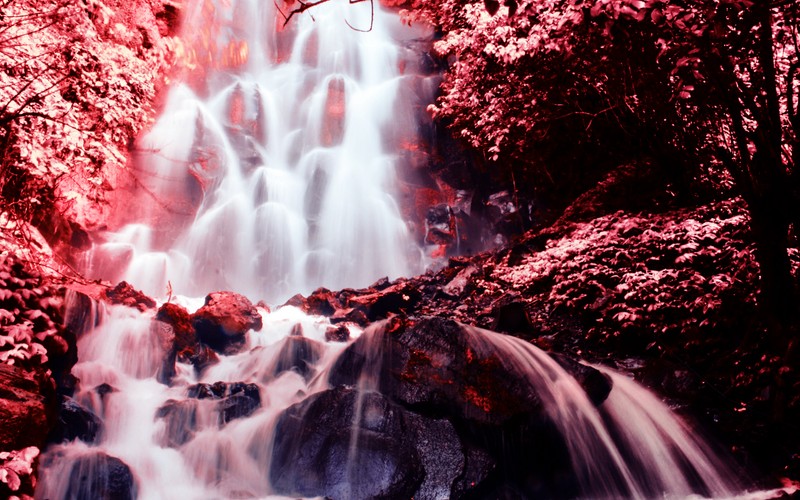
(76, 85)
(705, 85)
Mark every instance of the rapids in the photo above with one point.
(276, 174)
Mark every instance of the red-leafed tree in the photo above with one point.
(707, 87)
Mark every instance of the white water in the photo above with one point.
(294, 160)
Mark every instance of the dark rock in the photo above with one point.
(440, 224)
(101, 477)
(596, 384)
(312, 450)
(321, 302)
(511, 317)
(126, 295)
(236, 400)
(487, 385)
(222, 401)
(180, 418)
(478, 465)
(76, 422)
(337, 334)
(80, 312)
(201, 357)
(381, 284)
(181, 322)
(27, 408)
(395, 299)
(439, 367)
(440, 452)
(103, 389)
(224, 320)
(298, 354)
(239, 405)
(350, 315)
(297, 330)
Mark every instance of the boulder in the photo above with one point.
(223, 322)
(178, 337)
(436, 366)
(337, 334)
(395, 299)
(225, 402)
(321, 302)
(299, 354)
(313, 450)
(126, 295)
(101, 477)
(236, 400)
(490, 386)
(76, 422)
(180, 420)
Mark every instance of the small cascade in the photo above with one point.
(412, 407)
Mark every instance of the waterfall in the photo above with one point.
(272, 173)
(278, 172)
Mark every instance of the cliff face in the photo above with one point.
(78, 82)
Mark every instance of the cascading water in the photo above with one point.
(286, 162)
(279, 177)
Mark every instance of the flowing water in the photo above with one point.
(285, 155)
(276, 174)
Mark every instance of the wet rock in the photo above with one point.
(236, 400)
(299, 354)
(76, 422)
(440, 224)
(321, 302)
(334, 116)
(126, 295)
(440, 366)
(316, 435)
(350, 315)
(596, 384)
(180, 419)
(337, 334)
(27, 409)
(223, 322)
(101, 477)
(181, 322)
(239, 405)
(213, 405)
(395, 299)
(440, 452)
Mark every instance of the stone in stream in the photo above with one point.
(98, 476)
(337, 334)
(321, 449)
(439, 366)
(487, 386)
(299, 354)
(75, 422)
(179, 340)
(225, 401)
(223, 322)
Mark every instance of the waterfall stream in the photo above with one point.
(285, 160)
(278, 170)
